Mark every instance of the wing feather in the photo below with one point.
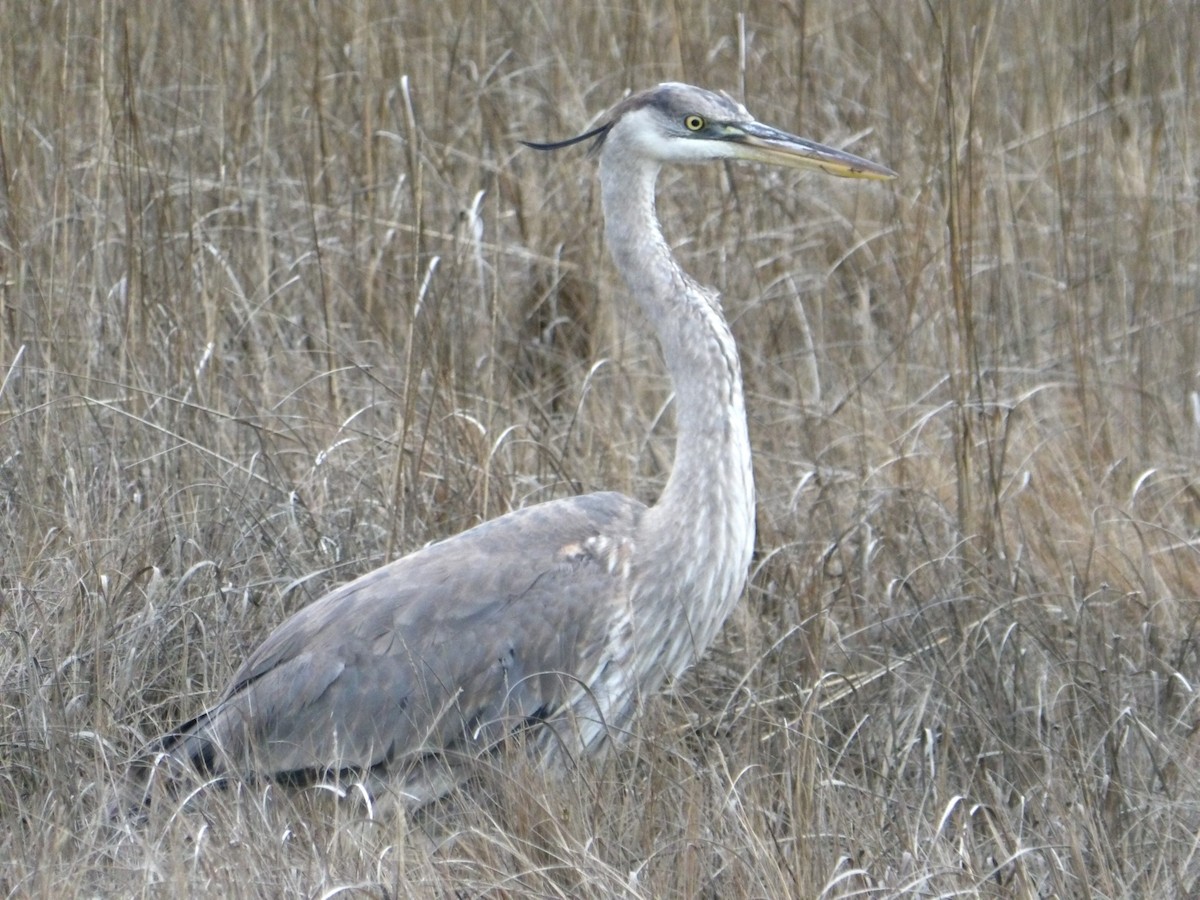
(451, 647)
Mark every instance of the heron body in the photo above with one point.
(559, 617)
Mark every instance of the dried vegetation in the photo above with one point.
(282, 297)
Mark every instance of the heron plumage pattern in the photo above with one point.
(560, 616)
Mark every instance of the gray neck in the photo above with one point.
(696, 541)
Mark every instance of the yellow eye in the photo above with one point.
(693, 122)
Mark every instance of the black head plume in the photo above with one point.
(598, 133)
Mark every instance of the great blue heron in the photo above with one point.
(557, 619)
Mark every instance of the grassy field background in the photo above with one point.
(282, 297)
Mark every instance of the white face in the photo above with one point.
(649, 134)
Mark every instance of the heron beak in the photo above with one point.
(761, 143)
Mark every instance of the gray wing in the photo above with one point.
(451, 647)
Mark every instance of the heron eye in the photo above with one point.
(694, 122)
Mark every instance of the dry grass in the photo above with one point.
(282, 297)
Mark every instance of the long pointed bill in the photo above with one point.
(761, 143)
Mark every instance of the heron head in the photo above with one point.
(679, 123)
